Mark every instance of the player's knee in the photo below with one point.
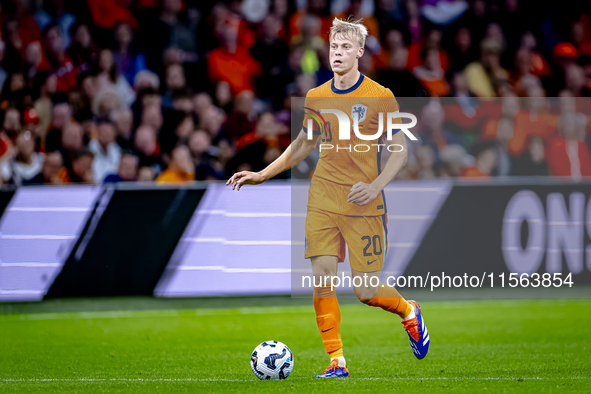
(324, 267)
(365, 294)
(322, 272)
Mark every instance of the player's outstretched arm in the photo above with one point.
(297, 151)
(363, 193)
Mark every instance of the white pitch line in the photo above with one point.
(248, 214)
(163, 313)
(38, 237)
(235, 270)
(241, 242)
(33, 265)
(49, 209)
(84, 380)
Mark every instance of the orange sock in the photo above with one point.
(389, 299)
(328, 318)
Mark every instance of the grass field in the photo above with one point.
(143, 345)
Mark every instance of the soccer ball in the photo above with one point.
(271, 360)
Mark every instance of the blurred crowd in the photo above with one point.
(177, 90)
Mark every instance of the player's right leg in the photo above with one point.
(390, 300)
(367, 240)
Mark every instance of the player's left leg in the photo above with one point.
(379, 294)
(390, 300)
(366, 238)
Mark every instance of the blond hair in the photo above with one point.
(349, 27)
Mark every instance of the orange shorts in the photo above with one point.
(328, 233)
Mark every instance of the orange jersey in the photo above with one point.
(343, 162)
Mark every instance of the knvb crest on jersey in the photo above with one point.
(358, 112)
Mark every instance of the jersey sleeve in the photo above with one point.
(390, 103)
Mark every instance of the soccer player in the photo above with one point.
(346, 205)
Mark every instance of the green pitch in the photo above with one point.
(90, 346)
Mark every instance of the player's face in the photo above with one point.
(344, 53)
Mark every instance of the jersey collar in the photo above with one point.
(345, 91)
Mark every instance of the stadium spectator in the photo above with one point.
(462, 50)
(127, 170)
(511, 111)
(146, 79)
(83, 51)
(109, 78)
(453, 158)
(60, 64)
(123, 121)
(503, 160)
(269, 50)
(203, 159)
(431, 75)
(233, 64)
(394, 43)
(486, 75)
(80, 169)
(524, 78)
(575, 81)
(31, 123)
(567, 154)
(431, 42)
(319, 9)
(52, 164)
(425, 160)
(180, 168)
(259, 148)
(433, 132)
(146, 145)
(389, 12)
(25, 164)
(61, 114)
(272, 53)
(32, 62)
(106, 151)
(401, 81)
(484, 160)
(239, 122)
(533, 160)
(414, 20)
(211, 120)
(152, 117)
(146, 174)
(175, 80)
(11, 125)
(459, 86)
(540, 67)
(538, 118)
(54, 12)
(355, 12)
(128, 59)
(72, 136)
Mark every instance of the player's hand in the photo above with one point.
(362, 193)
(245, 178)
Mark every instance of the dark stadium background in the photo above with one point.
(126, 264)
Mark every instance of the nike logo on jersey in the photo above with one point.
(327, 330)
(371, 262)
